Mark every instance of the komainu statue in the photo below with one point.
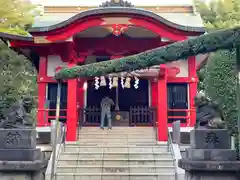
(208, 114)
(18, 115)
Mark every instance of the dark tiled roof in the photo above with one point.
(15, 37)
(117, 10)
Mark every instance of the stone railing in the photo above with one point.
(174, 148)
(60, 147)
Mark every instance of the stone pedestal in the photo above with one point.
(19, 157)
(210, 156)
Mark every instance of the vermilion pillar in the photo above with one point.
(192, 73)
(80, 99)
(162, 116)
(154, 99)
(72, 114)
(42, 91)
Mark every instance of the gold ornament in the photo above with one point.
(118, 117)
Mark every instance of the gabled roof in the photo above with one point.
(198, 27)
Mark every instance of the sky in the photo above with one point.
(98, 2)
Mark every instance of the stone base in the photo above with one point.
(200, 175)
(21, 176)
(210, 139)
(20, 154)
(211, 154)
(23, 166)
(17, 138)
(211, 166)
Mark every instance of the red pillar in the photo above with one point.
(80, 95)
(72, 114)
(154, 86)
(192, 73)
(162, 116)
(42, 85)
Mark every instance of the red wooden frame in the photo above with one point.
(113, 47)
(42, 85)
(162, 115)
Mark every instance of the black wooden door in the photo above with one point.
(177, 100)
(52, 99)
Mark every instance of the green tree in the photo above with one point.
(17, 75)
(220, 14)
(218, 77)
(16, 16)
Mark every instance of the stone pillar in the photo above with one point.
(19, 158)
(176, 133)
(210, 156)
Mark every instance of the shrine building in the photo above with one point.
(70, 33)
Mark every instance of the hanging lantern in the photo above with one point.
(127, 83)
(115, 81)
(103, 81)
(136, 82)
(110, 83)
(122, 82)
(96, 83)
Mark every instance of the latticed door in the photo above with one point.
(177, 102)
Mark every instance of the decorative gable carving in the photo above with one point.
(116, 3)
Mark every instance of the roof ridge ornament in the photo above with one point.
(116, 3)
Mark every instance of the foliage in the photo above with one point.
(220, 14)
(224, 39)
(219, 77)
(17, 77)
(220, 87)
(16, 16)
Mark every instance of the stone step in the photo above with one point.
(116, 136)
(113, 155)
(115, 176)
(115, 132)
(116, 144)
(115, 169)
(122, 128)
(119, 132)
(115, 149)
(114, 140)
(117, 162)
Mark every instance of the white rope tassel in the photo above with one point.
(96, 83)
(103, 81)
(128, 82)
(110, 83)
(136, 82)
(122, 82)
(115, 81)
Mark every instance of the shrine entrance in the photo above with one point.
(131, 104)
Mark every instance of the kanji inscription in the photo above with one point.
(211, 138)
(12, 138)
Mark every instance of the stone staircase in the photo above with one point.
(123, 153)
